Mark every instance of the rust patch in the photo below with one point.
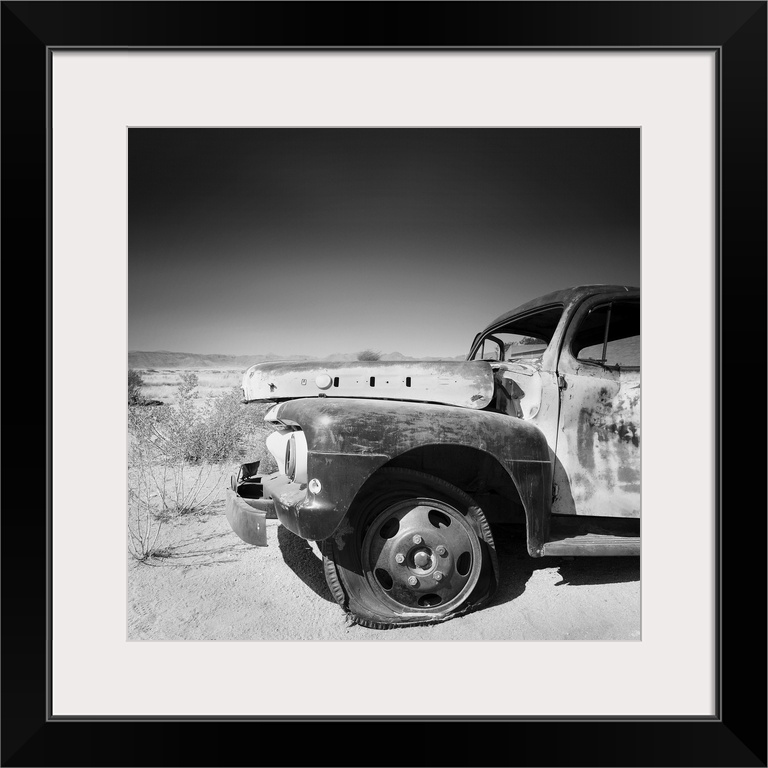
(629, 475)
(343, 530)
(599, 446)
(584, 438)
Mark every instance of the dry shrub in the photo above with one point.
(135, 383)
(178, 457)
(144, 518)
(180, 454)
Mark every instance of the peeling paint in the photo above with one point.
(601, 455)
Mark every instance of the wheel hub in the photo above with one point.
(421, 554)
(422, 559)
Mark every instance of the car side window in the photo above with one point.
(610, 335)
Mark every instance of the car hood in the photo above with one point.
(466, 384)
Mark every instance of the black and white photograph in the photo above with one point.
(373, 273)
(384, 379)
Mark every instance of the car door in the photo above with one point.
(597, 456)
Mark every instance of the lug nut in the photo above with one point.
(442, 551)
(417, 539)
(413, 581)
(438, 576)
(400, 558)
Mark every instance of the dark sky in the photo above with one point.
(313, 241)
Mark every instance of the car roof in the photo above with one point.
(566, 297)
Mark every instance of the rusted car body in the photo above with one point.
(401, 469)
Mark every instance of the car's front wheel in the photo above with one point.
(414, 549)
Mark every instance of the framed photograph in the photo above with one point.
(231, 180)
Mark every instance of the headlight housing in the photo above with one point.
(290, 456)
(290, 451)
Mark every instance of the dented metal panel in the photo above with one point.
(527, 391)
(349, 439)
(247, 519)
(524, 385)
(460, 383)
(389, 428)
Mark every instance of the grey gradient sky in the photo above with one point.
(314, 241)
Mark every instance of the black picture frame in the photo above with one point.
(736, 735)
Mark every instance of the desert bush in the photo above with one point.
(135, 383)
(369, 355)
(176, 451)
(187, 387)
(144, 513)
(180, 454)
(165, 484)
(215, 430)
(220, 431)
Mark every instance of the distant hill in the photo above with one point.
(163, 359)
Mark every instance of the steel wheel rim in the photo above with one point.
(409, 544)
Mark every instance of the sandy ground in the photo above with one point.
(212, 586)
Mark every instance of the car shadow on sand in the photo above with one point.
(302, 560)
(516, 566)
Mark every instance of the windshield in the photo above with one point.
(526, 336)
(507, 346)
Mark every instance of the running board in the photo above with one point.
(592, 537)
(593, 544)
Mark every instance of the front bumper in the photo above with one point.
(253, 499)
(246, 519)
(246, 508)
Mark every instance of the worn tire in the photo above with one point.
(409, 525)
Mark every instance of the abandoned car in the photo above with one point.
(399, 470)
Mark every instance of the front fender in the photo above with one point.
(349, 439)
